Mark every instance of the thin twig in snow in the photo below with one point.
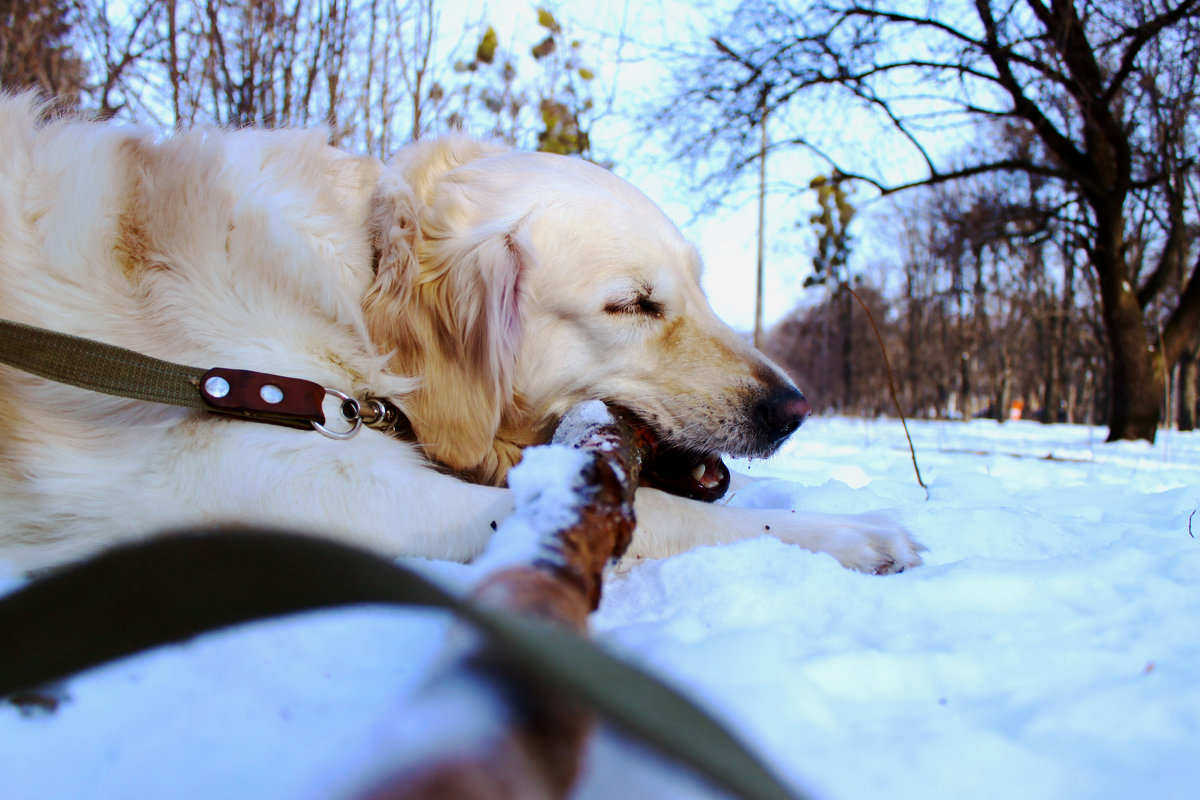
(887, 362)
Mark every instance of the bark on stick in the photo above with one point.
(525, 741)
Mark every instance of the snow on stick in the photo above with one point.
(492, 733)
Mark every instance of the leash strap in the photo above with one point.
(99, 367)
(97, 611)
(256, 396)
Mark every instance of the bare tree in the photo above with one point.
(809, 343)
(1088, 81)
(35, 52)
(369, 69)
(831, 267)
(373, 70)
(550, 99)
(996, 266)
(989, 317)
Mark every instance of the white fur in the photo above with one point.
(465, 282)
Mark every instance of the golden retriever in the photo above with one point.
(483, 291)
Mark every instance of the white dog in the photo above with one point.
(482, 291)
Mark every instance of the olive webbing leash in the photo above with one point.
(256, 396)
(98, 366)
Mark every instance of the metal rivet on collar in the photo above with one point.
(216, 387)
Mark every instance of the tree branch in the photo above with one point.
(899, 125)
(1184, 321)
(1139, 37)
(935, 178)
(892, 16)
(1079, 164)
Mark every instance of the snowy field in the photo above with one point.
(1049, 648)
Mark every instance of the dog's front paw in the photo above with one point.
(879, 545)
(871, 543)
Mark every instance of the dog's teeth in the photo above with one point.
(698, 473)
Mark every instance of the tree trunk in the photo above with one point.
(916, 399)
(1050, 345)
(1003, 394)
(964, 385)
(1135, 379)
(1186, 391)
(1062, 327)
(846, 323)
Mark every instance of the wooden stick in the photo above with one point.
(504, 737)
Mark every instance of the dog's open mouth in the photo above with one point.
(680, 471)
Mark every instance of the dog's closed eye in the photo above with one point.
(640, 303)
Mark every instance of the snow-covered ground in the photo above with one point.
(1049, 648)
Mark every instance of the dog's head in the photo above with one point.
(518, 284)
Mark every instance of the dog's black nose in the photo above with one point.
(782, 412)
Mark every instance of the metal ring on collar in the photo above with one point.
(354, 418)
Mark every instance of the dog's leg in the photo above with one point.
(868, 542)
(371, 491)
(441, 518)
(380, 494)
(397, 505)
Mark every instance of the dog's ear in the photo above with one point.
(408, 189)
(446, 302)
(470, 300)
(395, 236)
(475, 296)
(472, 304)
(448, 311)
